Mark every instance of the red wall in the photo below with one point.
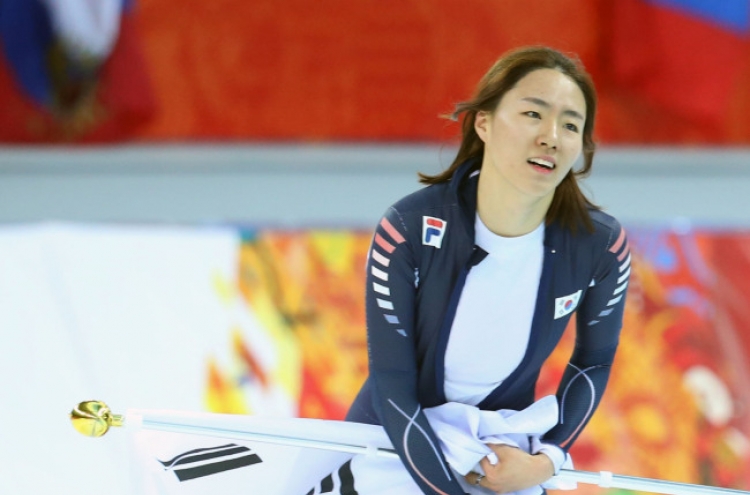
(385, 70)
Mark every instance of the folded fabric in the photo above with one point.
(464, 432)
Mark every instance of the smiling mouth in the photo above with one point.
(541, 163)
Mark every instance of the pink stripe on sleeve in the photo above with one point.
(618, 244)
(395, 234)
(388, 247)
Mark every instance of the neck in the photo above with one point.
(508, 212)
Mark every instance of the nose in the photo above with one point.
(548, 135)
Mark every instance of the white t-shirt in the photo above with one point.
(491, 329)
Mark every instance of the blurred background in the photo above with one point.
(188, 189)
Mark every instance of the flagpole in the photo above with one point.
(94, 418)
(288, 441)
(606, 479)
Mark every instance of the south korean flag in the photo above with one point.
(566, 304)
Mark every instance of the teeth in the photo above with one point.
(543, 163)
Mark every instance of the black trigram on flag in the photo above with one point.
(204, 462)
(343, 484)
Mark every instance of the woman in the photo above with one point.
(472, 280)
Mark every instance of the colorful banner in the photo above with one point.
(271, 323)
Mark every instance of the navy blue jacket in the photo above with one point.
(422, 250)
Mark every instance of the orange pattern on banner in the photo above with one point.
(306, 292)
(674, 406)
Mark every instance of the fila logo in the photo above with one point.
(433, 230)
(566, 304)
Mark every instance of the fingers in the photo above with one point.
(500, 448)
(474, 478)
(486, 465)
(513, 470)
(499, 452)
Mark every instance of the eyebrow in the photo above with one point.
(545, 104)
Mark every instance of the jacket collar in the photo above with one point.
(464, 185)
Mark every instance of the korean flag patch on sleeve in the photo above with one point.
(433, 230)
(566, 304)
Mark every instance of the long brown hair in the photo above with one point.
(569, 205)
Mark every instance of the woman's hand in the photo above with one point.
(515, 470)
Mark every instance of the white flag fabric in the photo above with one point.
(178, 453)
(175, 463)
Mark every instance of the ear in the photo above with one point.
(482, 124)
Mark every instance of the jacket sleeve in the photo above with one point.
(390, 310)
(598, 323)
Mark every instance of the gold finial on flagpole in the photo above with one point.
(93, 418)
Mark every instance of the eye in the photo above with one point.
(533, 114)
(571, 127)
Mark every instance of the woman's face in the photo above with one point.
(535, 134)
